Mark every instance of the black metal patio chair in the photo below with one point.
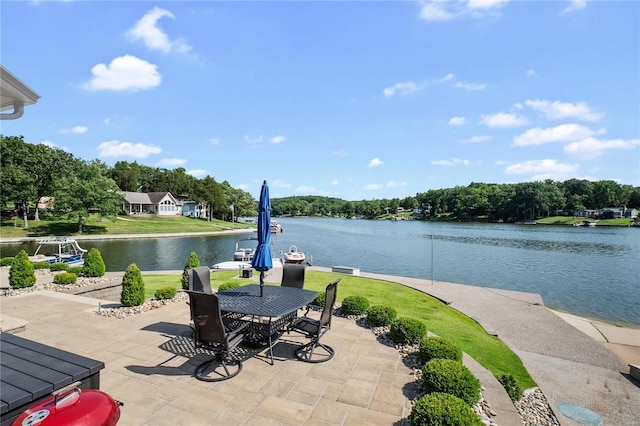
(211, 335)
(315, 329)
(200, 279)
(293, 275)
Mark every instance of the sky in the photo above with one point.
(357, 100)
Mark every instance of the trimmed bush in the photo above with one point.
(164, 293)
(41, 265)
(6, 261)
(319, 300)
(132, 287)
(22, 274)
(434, 347)
(65, 278)
(407, 330)
(442, 409)
(93, 264)
(228, 286)
(511, 386)
(54, 267)
(192, 262)
(75, 269)
(449, 376)
(355, 305)
(380, 315)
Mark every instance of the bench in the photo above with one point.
(346, 270)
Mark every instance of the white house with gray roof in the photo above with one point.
(155, 203)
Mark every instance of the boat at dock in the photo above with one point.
(59, 250)
(293, 255)
(276, 228)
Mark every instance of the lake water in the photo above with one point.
(592, 272)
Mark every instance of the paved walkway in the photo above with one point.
(149, 366)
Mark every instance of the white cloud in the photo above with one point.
(214, 141)
(446, 78)
(394, 184)
(199, 173)
(127, 149)
(334, 182)
(152, 36)
(49, 144)
(574, 6)
(542, 169)
(258, 139)
(306, 189)
(561, 133)
(438, 10)
(560, 110)
(477, 139)
(502, 119)
(172, 162)
(405, 88)
(452, 162)
(278, 139)
(243, 186)
(531, 73)
(78, 130)
(591, 148)
(280, 184)
(456, 121)
(125, 73)
(470, 86)
(375, 162)
(340, 152)
(372, 187)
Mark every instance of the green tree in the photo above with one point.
(22, 274)
(87, 190)
(126, 175)
(192, 262)
(132, 287)
(93, 264)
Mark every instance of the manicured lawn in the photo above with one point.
(569, 220)
(123, 225)
(442, 320)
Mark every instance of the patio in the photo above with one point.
(149, 368)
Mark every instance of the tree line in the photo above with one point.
(506, 202)
(77, 187)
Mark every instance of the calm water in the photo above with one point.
(592, 272)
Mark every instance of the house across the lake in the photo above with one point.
(155, 203)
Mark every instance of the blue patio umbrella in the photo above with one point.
(262, 257)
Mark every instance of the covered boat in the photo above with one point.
(59, 250)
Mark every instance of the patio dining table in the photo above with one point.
(279, 305)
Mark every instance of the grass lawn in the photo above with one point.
(13, 228)
(442, 320)
(569, 220)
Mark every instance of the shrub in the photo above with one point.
(355, 305)
(65, 278)
(449, 376)
(76, 270)
(53, 267)
(192, 262)
(93, 264)
(22, 274)
(132, 287)
(434, 347)
(165, 293)
(379, 315)
(228, 286)
(511, 386)
(407, 330)
(442, 409)
(319, 300)
(41, 265)
(6, 261)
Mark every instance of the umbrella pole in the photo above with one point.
(261, 282)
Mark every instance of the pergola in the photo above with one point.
(14, 94)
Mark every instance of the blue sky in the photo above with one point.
(356, 100)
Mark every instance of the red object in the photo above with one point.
(76, 407)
